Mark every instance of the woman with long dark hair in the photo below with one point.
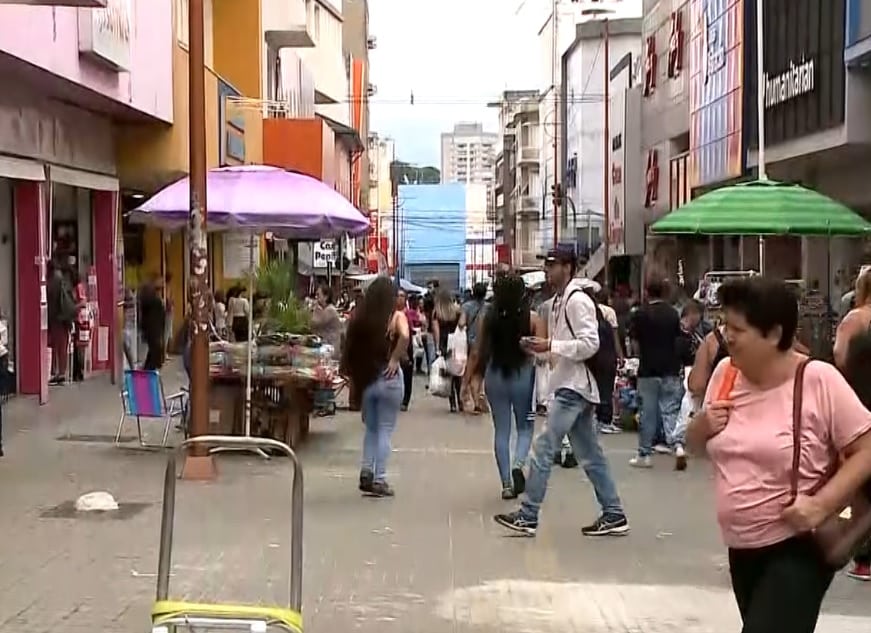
(509, 376)
(375, 348)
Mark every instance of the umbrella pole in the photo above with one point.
(761, 255)
(249, 360)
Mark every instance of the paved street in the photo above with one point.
(429, 560)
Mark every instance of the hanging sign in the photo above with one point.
(324, 254)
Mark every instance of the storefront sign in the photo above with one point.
(676, 45)
(324, 254)
(650, 65)
(797, 80)
(651, 193)
(716, 58)
(805, 81)
(617, 215)
(105, 34)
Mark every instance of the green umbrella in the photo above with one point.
(763, 207)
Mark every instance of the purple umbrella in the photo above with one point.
(258, 198)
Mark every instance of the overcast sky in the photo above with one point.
(455, 56)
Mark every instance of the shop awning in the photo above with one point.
(763, 207)
(346, 134)
(21, 169)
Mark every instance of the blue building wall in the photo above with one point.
(432, 220)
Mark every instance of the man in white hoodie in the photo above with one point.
(573, 339)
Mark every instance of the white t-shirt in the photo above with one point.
(238, 307)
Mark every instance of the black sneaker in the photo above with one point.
(367, 478)
(607, 525)
(517, 523)
(508, 492)
(570, 461)
(519, 481)
(381, 489)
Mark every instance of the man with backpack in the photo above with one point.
(574, 340)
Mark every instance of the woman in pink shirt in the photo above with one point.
(778, 575)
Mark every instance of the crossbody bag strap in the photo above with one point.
(797, 404)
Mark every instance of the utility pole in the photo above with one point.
(394, 195)
(606, 209)
(200, 464)
(554, 20)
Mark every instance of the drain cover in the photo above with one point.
(67, 510)
(94, 439)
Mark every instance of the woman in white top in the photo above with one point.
(220, 314)
(238, 313)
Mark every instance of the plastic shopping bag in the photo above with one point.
(688, 407)
(458, 352)
(439, 379)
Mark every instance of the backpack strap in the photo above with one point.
(565, 309)
(797, 404)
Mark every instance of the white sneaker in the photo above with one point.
(680, 458)
(662, 449)
(641, 461)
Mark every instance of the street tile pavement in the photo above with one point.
(429, 560)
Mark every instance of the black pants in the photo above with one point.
(408, 379)
(605, 410)
(780, 587)
(78, 363)
(154, 356)
(454, 399)
(240, 329)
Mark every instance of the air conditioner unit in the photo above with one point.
(372, 90)
(371, 42)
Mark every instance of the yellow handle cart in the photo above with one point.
(171, 616)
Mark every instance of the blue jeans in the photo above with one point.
(571, 415)
(380, 407)
(660, 399)
(507, 394)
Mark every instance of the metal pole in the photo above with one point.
(199, 299)
(760, 107)
(606, 210)
(555, 88)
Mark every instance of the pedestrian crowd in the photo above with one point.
(788, 437)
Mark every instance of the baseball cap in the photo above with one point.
(564, 254)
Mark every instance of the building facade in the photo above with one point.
(78, 74)
(379, 248)
(519, 192)
(432, 233)
(586, 151)
(480, 236)
(467, 154)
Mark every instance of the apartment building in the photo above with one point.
(468, 153)
(519, 191)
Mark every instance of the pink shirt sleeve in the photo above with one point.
(848, 419)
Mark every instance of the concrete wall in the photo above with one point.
(48, 38)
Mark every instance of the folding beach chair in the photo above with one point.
(143, 397)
